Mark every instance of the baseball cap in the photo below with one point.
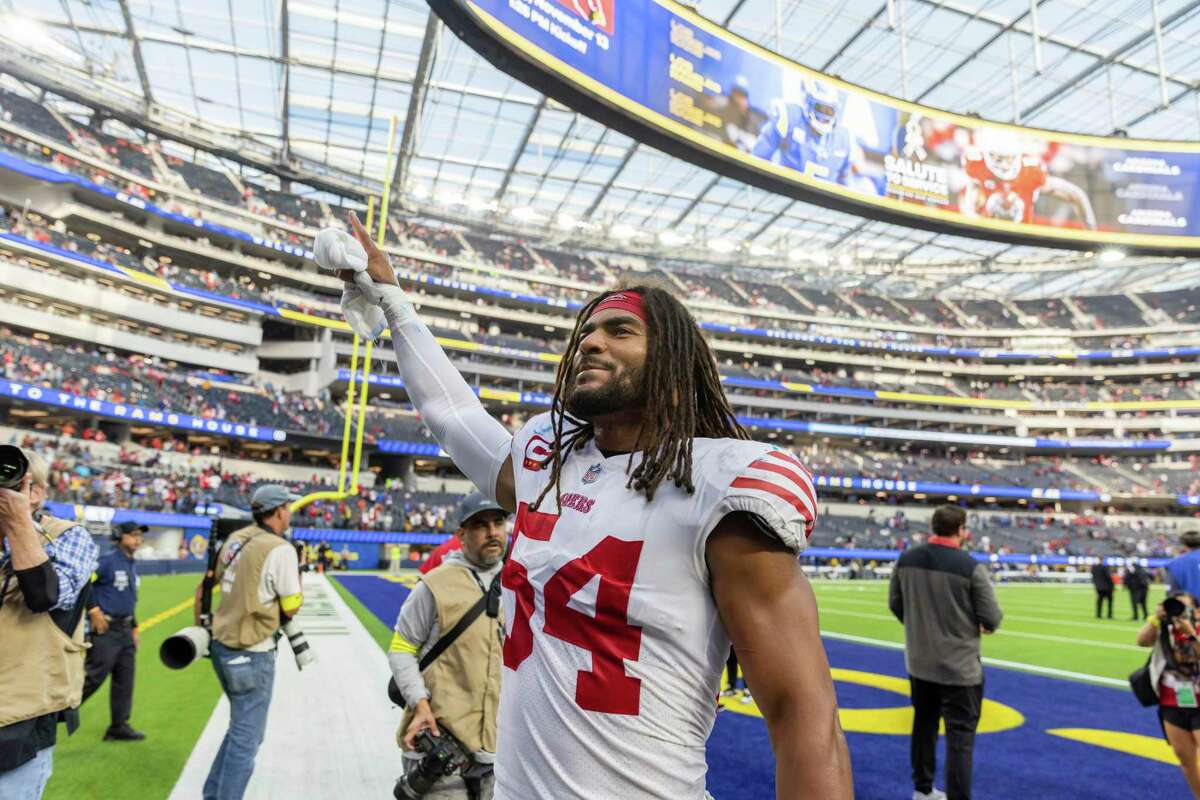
(473, 504)
(269, 497)
(129, 526)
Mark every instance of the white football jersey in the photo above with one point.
(614, 651)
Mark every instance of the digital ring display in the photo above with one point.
(684, 84)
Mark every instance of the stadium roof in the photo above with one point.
(321, 81)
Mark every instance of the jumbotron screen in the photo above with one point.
(686, 85)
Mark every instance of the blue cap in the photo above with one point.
(269, 497)
(473, 504)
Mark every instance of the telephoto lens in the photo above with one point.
(184, 647)
(443, 755)
(13, 466)
(305, 656)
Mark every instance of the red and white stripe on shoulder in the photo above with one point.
(784, 478)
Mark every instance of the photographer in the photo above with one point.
(458, 692)
(259, 577)
(45, 564)
(1175, 676)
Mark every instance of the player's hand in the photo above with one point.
(422, 718)
(99, 623)
(378, 265)
(137, 639)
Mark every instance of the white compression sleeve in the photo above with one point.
(478, 444)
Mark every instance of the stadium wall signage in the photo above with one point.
(663, 74)
(132, 413)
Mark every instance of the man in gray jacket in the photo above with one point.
(458, 692)
(945, 600)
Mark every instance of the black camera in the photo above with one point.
(443, 755)
(1173, 608)
(13, 466)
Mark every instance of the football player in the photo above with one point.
(650, 534)
(806, 136)
(1004, 181)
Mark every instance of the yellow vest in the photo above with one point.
(242, 620)
(41, 668)
(464, 681)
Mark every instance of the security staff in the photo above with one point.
(259, 577)
(45, 564)
(460, 690)
(1183, 571)
(115, 630)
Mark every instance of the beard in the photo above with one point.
(622, 392)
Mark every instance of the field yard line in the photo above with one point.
(1118, 625)
(1002, 632)
(993, 662)
(165, 615)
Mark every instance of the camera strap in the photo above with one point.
(465, 622)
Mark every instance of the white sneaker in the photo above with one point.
(935, 794)
(746, 698)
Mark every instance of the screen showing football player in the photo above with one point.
(808, 137)
(1005, 180)
(651, 533)
(740, 120)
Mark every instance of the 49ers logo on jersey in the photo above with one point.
(537, 454)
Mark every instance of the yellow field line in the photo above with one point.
(165, 615)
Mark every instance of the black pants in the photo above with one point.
(112, 652)
(1101, 597)
(960, 707)
(731, 669)
(1138, 598)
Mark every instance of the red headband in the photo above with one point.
(632, 302)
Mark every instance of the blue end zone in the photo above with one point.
(1017, 764)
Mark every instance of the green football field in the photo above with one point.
(1045, 627)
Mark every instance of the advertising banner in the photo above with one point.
(677, 73)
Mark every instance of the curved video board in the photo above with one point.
(679, 82)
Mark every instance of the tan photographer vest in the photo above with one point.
(41, 668)
(243, 620)
(464, 681)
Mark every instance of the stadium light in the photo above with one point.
(1111, 256)
(526, 214)
(672, 239)
(32, 35)
(721, 245)
(420, 191)
(760, 250)
(623, 231)
(845, 260)
(566, 222)
(796, 254)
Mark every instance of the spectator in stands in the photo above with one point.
(945, 600)
(1174, 667)
(441, 692)
(1103, 582)
(1184, 571)
(45, 564)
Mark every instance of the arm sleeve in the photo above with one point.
(478, 444)
(40, 586)
(896, 595)
(282, 576)
(75, 558)
(416, 626)
(983, 596)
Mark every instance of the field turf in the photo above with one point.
(1050, 627)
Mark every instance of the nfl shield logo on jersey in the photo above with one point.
(593, 473)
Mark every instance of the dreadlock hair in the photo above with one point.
(684, 397)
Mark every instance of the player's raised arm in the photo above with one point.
(770, 614)
(1070, 193)
(479, 445)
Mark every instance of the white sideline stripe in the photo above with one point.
(994, 662)
(1045, 637)
(1117, 625)
(331, 732)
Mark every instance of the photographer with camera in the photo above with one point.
(45, 565)
(259, 576)
(1173, 674)
(115, 630)
(446, 659)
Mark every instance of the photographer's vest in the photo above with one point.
(41, 668)
(243, 620)
(464, 681)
